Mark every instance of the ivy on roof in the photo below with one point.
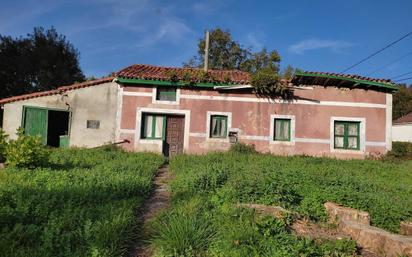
(172, 83)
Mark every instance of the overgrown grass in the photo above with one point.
(208, 186)
(82, 204)
(303, 184)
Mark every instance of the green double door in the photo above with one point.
(51, 125)
(35, 122)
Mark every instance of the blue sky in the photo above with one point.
(327, 35)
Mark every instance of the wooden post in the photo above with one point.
(206, 64)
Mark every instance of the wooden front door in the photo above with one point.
(174, 135)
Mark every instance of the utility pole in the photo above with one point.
(206, 64)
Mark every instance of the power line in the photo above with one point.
(377, 52)
(392, 62)
(403, 79)
(398, 76)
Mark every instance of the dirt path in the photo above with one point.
(159, 200)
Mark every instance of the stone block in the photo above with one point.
(378, 240)
(337, 212)
(406, 228)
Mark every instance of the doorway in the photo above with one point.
(173, 143)
(57, 128)
(51, 125)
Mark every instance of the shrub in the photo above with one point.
(3, 144)
(401, 150)
(25, 151)
(180, 234)
(242, 148)
(266, 83)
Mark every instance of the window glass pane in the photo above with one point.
(147, 126)
(353, 142)
(278, 130)
(339, 129)
(214, 128)
(159, 127)
(339, 142)
(353, 129)
(282, 128)
(166, 94)
(285, 134)
(218, 126)
(222, 127)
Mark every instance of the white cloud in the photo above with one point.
(207, 7)
(148, 22)
(253, 41)
(171, 29)
(314, 44)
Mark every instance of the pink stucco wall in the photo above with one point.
(252, 118)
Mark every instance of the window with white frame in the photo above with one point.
(282, 129)
(347, 135)
(166, 93)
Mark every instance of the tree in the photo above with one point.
(288, 72)
(262, 60)
(225, 53)
(42, 61)
(402, 101)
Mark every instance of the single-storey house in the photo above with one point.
(402, 129)
(184, 110)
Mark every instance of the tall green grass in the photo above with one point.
(81, 204)
(303, 184)
(206, 188)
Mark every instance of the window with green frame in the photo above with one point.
(166, 94)
(346, 135)
(218, 126)
(153, 126)
(282, 130)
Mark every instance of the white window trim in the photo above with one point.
(292, 129)
(155, 101)
(388, 137)
(138, 135)
(362, 136)
(229, 126)
(119, 111)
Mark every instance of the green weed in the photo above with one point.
(82, 204)
(182, 234)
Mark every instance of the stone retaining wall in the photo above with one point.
(356, 224)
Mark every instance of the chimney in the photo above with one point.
(206, 58)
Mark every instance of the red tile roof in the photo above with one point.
(348, 80)
(56, 91)
(150, 72)
(351, 76)
(404, 119)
